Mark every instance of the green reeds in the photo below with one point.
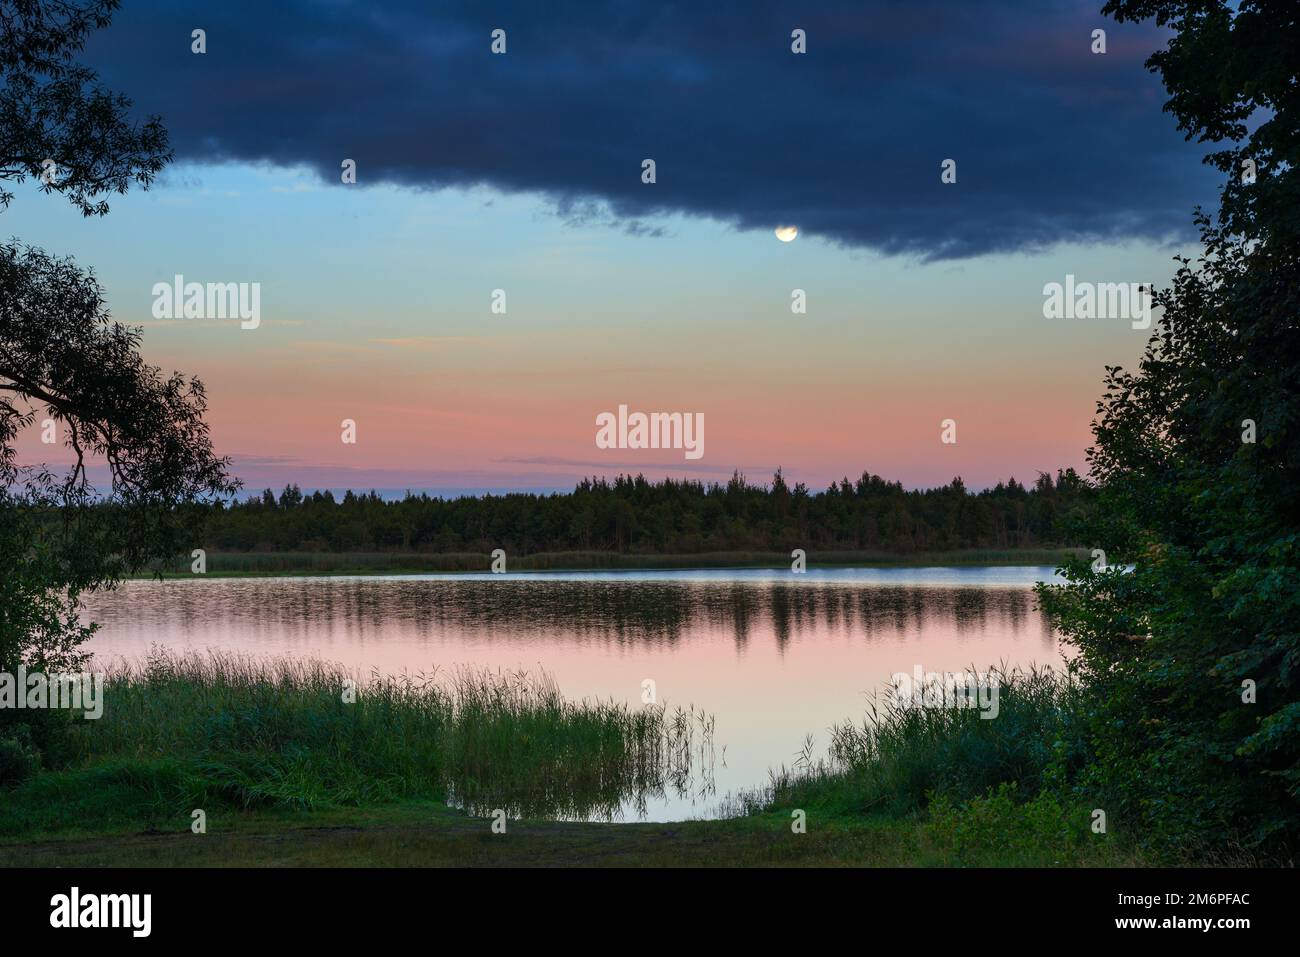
(307, 733)
(900, 757)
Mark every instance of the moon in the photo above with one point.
(786, 233)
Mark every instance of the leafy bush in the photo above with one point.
(997, 826)
(19, 756)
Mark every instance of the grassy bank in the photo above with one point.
(985, 790)
(220, 731)
(287, 771)
(234, 564)
(416, 834)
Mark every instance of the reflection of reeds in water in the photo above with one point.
(518, 745)
(282, 733)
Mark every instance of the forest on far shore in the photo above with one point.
(632, 514)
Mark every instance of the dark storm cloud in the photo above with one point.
(1053, 143)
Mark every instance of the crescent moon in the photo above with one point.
(786, 233)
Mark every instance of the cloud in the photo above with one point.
(1053, 143)
(631, 465)
(438, 342)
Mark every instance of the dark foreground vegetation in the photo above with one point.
(287, 770)
(1189, 661)
(221, 731)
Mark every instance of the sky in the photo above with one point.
(522, 172)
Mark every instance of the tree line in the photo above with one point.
(633, 514)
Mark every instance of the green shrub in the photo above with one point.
(19, 756)
(996, 826)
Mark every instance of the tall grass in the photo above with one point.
(283, 733)
(900, 757)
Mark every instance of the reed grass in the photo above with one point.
(898, 759)
(281, 733)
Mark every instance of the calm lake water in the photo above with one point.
(772, 655)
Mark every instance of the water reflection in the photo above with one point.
(523, 612)
(646, 758)
(772, 658)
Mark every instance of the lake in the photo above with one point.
(774, 656)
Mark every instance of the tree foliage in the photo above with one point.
(57, 124)
(631, 514)
(141, 458)
(1193, 656)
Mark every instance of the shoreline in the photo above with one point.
(429, 834)
(316, 564)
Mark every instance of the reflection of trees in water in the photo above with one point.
(641, 612)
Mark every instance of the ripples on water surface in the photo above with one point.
(773, 656)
